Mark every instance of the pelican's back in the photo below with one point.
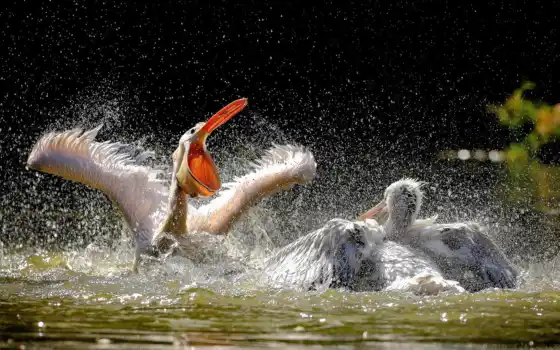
(465, 253)
(337, 255)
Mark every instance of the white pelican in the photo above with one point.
(403, 254)
(157, 224)
(463, 251)
(353, 255)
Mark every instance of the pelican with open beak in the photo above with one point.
(194, 175)
(197, 174)
(156, 214)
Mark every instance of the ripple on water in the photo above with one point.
(43, 299)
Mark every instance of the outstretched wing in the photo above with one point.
(279, 169)
(75, 155)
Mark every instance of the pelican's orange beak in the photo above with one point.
(380, 208)
(203, 177)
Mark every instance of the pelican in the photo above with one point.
(403, 253)
(354, 255)
(158, 216)
(463, 251)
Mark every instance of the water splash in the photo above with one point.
(41, 214)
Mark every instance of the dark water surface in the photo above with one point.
(50, 305)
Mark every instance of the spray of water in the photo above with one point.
(53, 229)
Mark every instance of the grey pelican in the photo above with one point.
(403, 253)
(354, 255)
(158, 216)
(463, 251)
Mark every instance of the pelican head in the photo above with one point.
(196, 174)
(400, 206)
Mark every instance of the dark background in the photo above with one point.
(421, 72)
(409, 78)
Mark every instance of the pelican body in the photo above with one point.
(402, 253)
(159, 216)
(354, 255)
(463, 251)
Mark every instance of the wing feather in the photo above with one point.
(280, 168)
(75, 155)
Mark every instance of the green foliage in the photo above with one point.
(529, 179)
(516, 112)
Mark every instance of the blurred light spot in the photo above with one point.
(464, 154)
(496, 156)
(480, 155)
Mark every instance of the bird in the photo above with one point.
(388, 248)
(160, 219)
(353, 255)
(463, 251)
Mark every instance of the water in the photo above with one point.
(65, 261)
(50, 299)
